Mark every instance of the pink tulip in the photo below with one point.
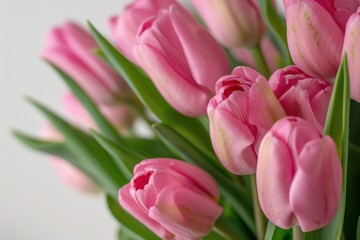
(174, 199)
(234, 23)
(182, 58)
(299, 176)
(125, 27)
(241, 112)
(352, 48)
(301, 95)
(315, 33)
(67, 172)
(269, 50)
(70, 48)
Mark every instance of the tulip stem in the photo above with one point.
(297, 233)
(260, 219)
(259, 59)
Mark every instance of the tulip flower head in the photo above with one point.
(174, 199)
(302, 95)
(299, 175)
(70, 48)
(241, 112)
(234, 23)
(183, 60)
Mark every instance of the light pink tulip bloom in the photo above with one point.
(301, 95)
(125, 27)
(183, 60)
(269, 50)
(70, 48)
(67, 172)
(299, 176)
(241, 112)
(315, 33)
(233, 23)
(352, 48)
(174, 199)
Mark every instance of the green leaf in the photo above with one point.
(277, 27)
(128, 221)
(149, 148)
(275, 233)
(125, 158)
(93, 159)
(229, 189)
(101, 122)
(51, 147)
(143, 87)
(337, 126)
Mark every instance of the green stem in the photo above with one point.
(229, 230)
(259, 59)
(260, 219)
(297, 234)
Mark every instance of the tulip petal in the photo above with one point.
(274, 174)
(194, 38)
(185, 213)
(316, 188)
(315, 39)
(130, 205)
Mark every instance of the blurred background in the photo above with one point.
(34, 203)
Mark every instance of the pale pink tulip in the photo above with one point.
(125, 27)
(352, 48)
(299, 176)
(315, 34)
(233, 23)
(70, 48)
(301, 95)
(67, 172)
(183, 60)
(174, 199)
(241, 112)
(269, 50)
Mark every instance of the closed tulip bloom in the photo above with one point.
(183, 60)
(241, 112)
(174, 199)
(234, 23)
(70, 174)
(299, 176)
(315, 34)
(124, 27)
(352, 48)
(70, 48)
(302, 95)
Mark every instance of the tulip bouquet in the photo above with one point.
(253, 133)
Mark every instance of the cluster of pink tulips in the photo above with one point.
(224, 93)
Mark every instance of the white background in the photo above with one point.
(34, 203)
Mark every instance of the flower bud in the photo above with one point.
(70, 48)
(234, 23)
(315, 36)
(183, 60)
(352, 48)
(173, 198)
(125, 27)
(301, 95)
(241, 112)
(299, 176)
